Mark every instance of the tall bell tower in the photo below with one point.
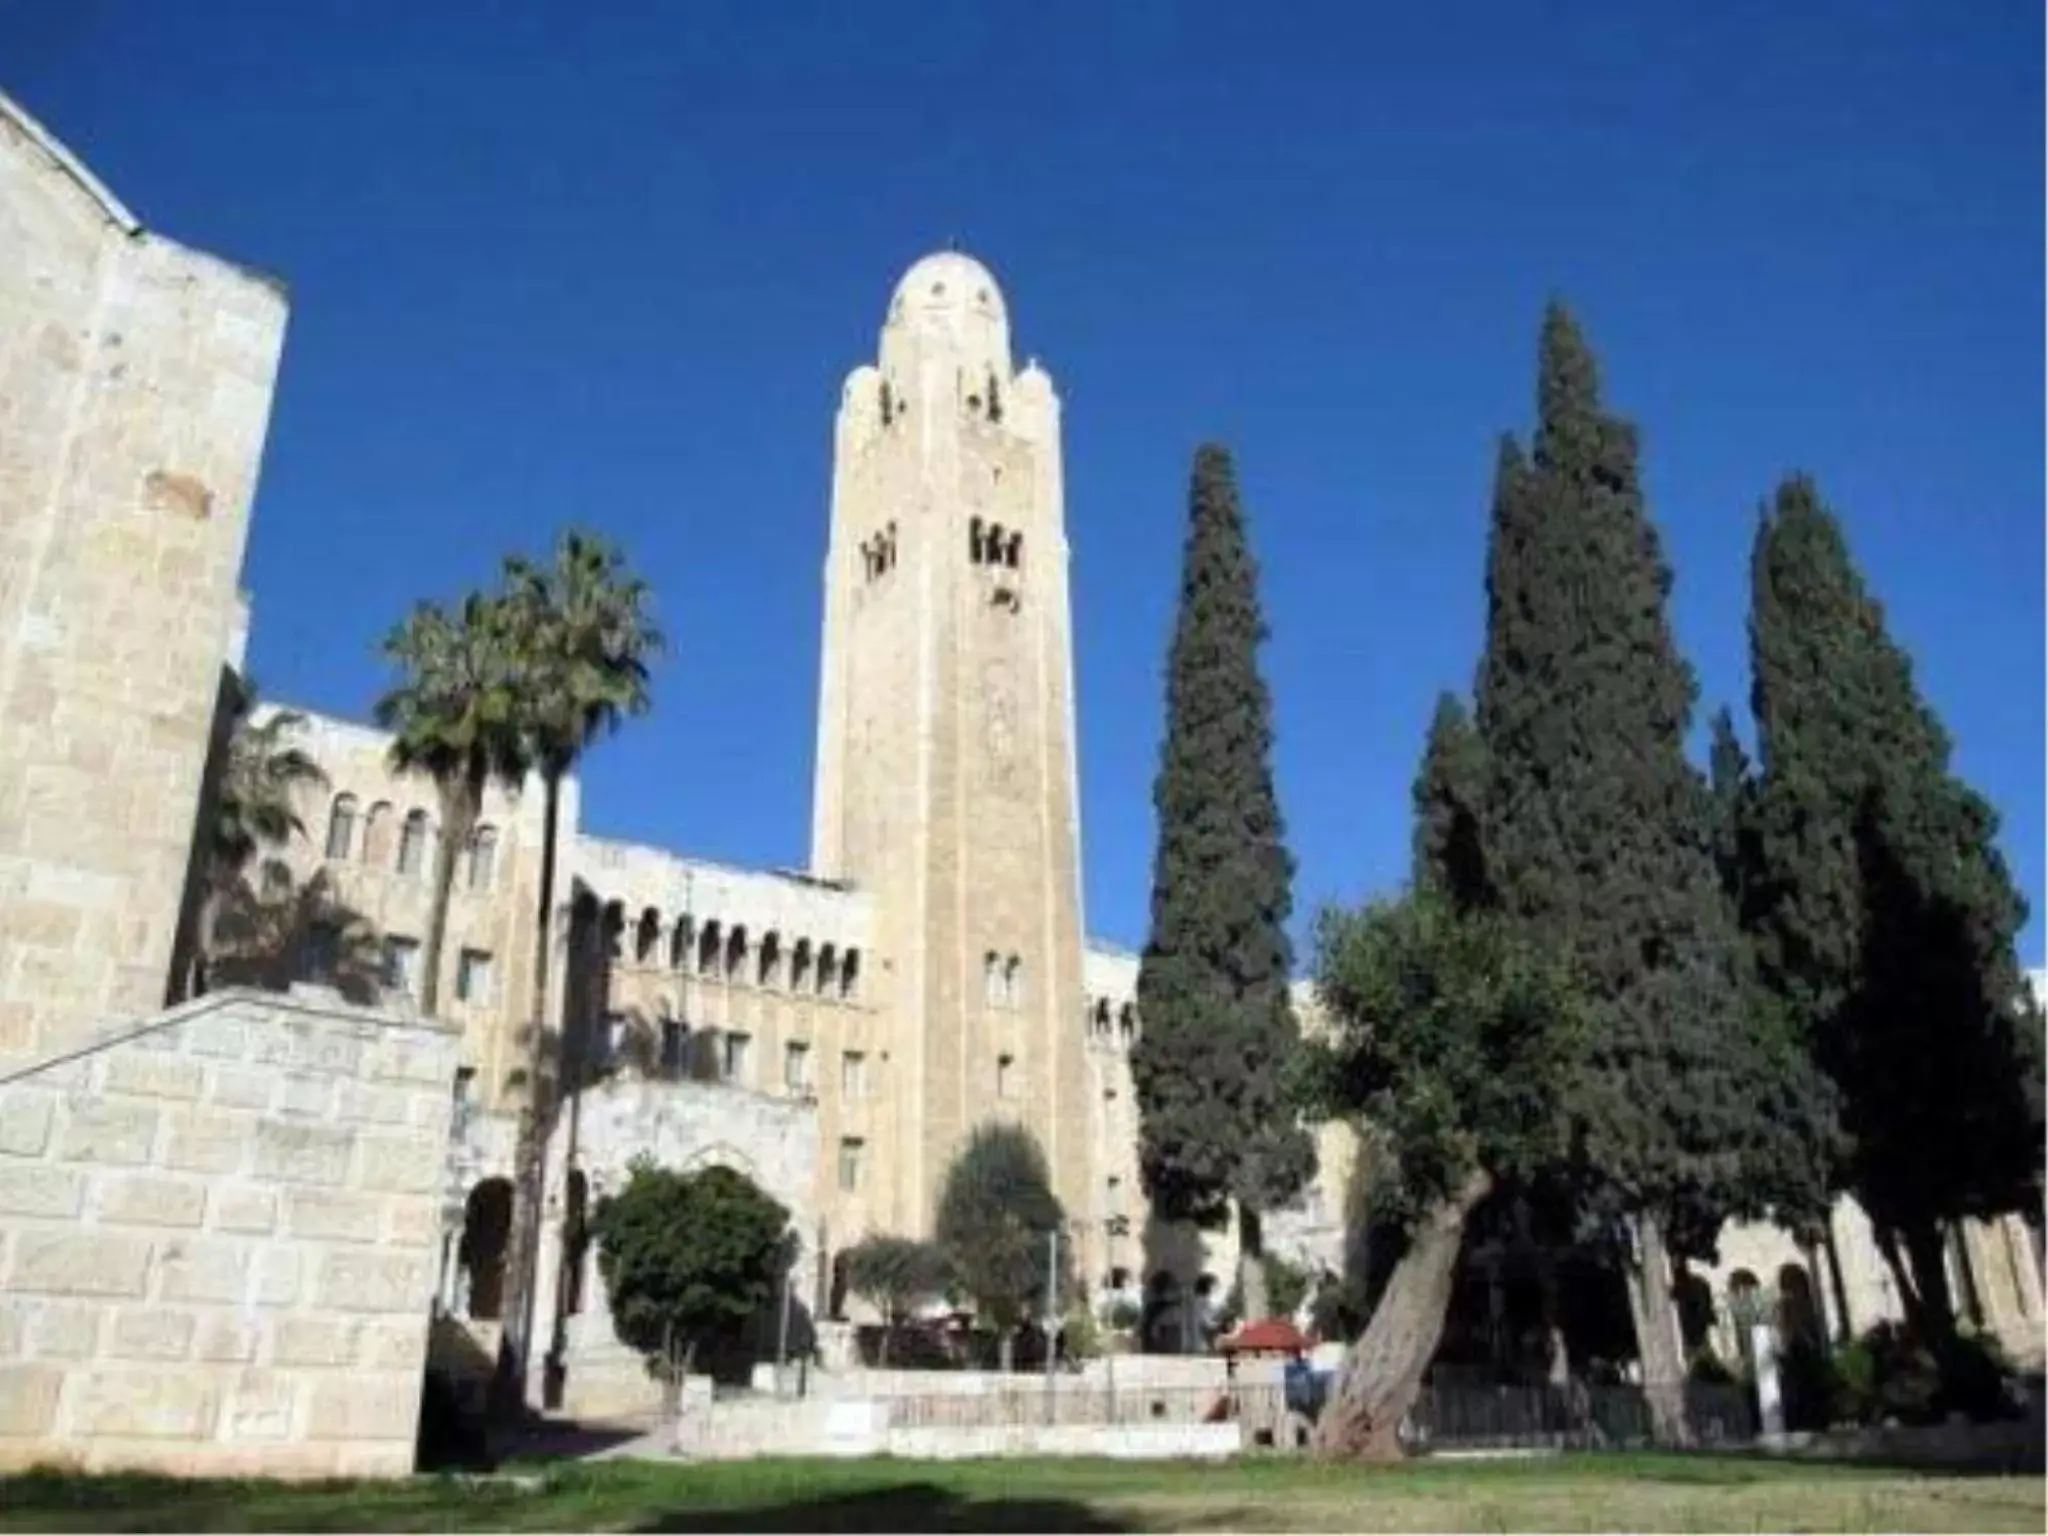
(946, 781)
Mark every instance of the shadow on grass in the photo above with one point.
(902, 1507)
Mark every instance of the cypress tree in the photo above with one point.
(1449, 853)
(1210, 1067)
(1598, 836)
(1886, 918)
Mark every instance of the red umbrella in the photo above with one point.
(1269, 1335)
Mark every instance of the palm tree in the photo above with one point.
(454, 717)
(586, 639)
(255, 808)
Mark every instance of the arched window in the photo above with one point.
(1798, 1312)
(828, 968)
(483, 857)
(1127, 1023)
(341, 827)
(992, 979)
(487, 1222)
(647, 938)
(412, 845)
(709, 943)
(849, 973)
(1102, 1017)
(736, 953)
(1013, 982)
(974, 541)
(768, 967)
(679, 945)
(1013, 551)
(800, 965)
(377, 851)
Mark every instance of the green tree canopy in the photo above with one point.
(1599, 840)
(1885, 916)
(1210, 1067)
(896, 1275)
(689, 1258)
(996, 1212)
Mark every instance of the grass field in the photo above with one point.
(1586, 1493)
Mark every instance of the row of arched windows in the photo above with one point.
(1113, 1021)
(414, 838)
(728, 953)
(992, 544)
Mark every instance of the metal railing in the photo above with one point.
(1465, 1417)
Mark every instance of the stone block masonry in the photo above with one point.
(207, 1269)
(135, 387)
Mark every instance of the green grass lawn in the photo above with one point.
(1591, 1493)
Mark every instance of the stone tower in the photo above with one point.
(946, 746)
(135, 385)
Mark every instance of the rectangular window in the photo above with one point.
(733, 1062)
(323, 952)
(850, 1150)
(796, 1067)
(402, 965)
(853, 1075)
(473, 976)
(675, 1049)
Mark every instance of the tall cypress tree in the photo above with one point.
(1598, 834)
(1449, 849)
(1216, 1127)
(1886, 916)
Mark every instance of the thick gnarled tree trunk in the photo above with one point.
(1382, 1377)
(1651, 1307)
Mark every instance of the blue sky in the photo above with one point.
(609, 264)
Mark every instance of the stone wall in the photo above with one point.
(218, 1240)
(135, 386)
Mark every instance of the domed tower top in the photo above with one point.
(949, 302)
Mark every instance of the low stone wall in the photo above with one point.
(1126, 1373)
(1120, 1442)
(855, 1427)
(218, 1241)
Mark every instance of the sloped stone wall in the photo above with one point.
(219, 1239)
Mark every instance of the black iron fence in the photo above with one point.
(1469, 1417)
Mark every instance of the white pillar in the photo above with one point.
(1770, 1401)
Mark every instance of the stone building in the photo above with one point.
(834, 1032)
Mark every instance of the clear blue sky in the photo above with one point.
(554, 262)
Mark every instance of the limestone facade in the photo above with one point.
(218, 1240)
(135, 384)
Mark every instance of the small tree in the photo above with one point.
(689, 1259)
(895, 1275)
(996, 1215)
(1459, 1044)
